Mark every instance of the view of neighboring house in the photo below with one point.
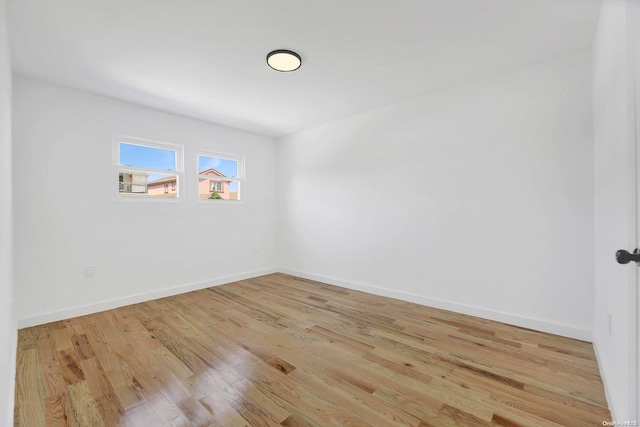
(163, 187)
(133, 182)
(206, 186)
(136, 183)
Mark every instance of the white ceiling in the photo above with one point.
(206, 58)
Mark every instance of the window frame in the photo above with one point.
(218, 184)
(240, 179)
(178, 149)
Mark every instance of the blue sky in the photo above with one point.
(224, 166)
(147, 157)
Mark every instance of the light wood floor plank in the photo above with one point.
(280, 350)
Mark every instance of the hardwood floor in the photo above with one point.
(280, 350)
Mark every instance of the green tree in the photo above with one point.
(215, 195)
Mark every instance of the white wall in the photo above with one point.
(66, 218)
(478, 198)
(614, 209)
(7, 324)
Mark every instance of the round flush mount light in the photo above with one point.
(284, 60)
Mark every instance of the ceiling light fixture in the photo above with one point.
(284, 60)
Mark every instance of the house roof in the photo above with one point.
(211, 171)
(160, 180)
(172, 178)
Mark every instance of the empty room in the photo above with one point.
(302, 213)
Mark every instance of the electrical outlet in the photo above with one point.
(89, 271)
(610, 321)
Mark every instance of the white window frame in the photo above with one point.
(219, 185)
(118, 168)
(240, 179)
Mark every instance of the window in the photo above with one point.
(147, 169)
(220, 177)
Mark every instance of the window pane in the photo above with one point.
(209, 189)
(217, 166)
(147, 157)
(145, 184)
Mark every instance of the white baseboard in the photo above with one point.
(525, 322)
(607, 392)
(135, 299)
(539, 325)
